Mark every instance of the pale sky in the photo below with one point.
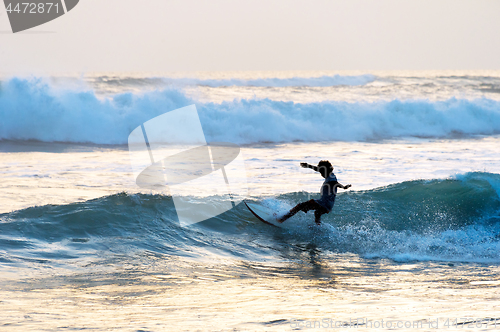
(190, 35)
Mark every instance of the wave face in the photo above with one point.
(442, 220)
(33, 110)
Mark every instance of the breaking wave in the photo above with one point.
(31, 109)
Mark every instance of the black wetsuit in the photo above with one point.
(320, 206)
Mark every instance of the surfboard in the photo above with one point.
(264, 214)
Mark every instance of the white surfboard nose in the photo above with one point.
(264, 214)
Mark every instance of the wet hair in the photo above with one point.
(325, 168)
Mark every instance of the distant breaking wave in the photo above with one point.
(322, 81)
(33, 110)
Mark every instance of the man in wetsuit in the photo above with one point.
(328, 192)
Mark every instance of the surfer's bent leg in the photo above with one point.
(304, 206)
(317, 217)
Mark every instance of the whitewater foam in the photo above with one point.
(31, 109)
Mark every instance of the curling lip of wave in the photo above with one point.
(33, 110)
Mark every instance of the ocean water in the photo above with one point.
(414, 244)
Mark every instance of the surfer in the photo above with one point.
(328, 192)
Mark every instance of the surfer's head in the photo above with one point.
(325, 168)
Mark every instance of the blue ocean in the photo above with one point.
(416, 240)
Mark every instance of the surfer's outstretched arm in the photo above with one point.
(306, 165)
(347, 186)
